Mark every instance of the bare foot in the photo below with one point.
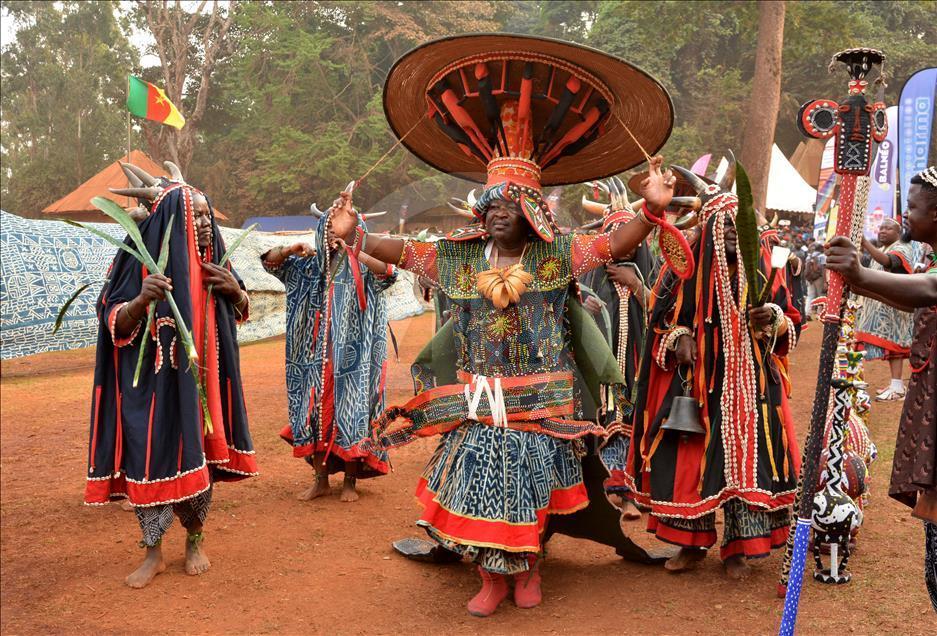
(349, 493)
(318, 489)
(629, 511)
(126, 506)
(685, 559)
(196, 561)
(737, 568)
(152, 565)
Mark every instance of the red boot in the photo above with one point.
(494, 590)
(527, 586)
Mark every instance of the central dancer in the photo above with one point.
(507, 459)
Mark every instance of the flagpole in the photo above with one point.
(128, 132)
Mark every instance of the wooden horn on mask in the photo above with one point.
(148, 194)
(725, 183)
(146, 179)
(458, 206)
(593, 207)
(174, 172)
(698, 184)
(591, 225)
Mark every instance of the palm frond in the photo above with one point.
(151, 310)
(104, 235)
(746, 227)
(59, 317)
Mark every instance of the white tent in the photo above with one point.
(787, 190)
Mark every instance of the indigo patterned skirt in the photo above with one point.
(487, 493)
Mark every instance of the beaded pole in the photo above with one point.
(855, 124)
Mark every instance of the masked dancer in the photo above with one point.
(621, 287)
(150, 441)
(506, 461)
(336, 359)
(731, 444)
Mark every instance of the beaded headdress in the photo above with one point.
(929, 175)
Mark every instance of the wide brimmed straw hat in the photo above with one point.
(591, 114)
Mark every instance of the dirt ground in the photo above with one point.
(282, 566)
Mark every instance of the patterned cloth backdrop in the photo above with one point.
(43, 262)
(401, 298)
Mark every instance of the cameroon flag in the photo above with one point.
(149, 101)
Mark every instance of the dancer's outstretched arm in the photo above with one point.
(902, 291)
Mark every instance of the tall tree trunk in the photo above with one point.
(758, 135)
(179, 37)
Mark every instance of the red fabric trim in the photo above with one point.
(95, 422)
(521, 421)
(119, 434)
(793, 450)
(616, 479)
(887, 345)
(238, 465)
(383, 382)
(355, 453)
(683, 538)
(498, 534)
(755, 547)
(908, 268)
(179, 460)
(327, 416)
(687, 474)
(149, 437)
(99, 491)
(355, 266)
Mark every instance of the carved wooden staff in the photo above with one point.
(855, 123)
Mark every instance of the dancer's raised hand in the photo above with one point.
(657, 187)
(342, 215)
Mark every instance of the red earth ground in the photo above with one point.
(290, 567)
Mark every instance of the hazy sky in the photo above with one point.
(140, 39)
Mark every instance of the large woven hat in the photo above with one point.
(445, 100)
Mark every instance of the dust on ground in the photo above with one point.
(290, 567)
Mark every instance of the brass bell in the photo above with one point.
(684, 414)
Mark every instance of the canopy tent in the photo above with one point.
(787, 190)
(77, 206)
(806, 159)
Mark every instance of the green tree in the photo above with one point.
(189, 46)
(299, 110)
(64, 83)
(704, 54)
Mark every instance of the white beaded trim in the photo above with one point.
(112, 327)
(929, 175)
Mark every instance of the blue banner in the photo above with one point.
(882, 187)
(915, 122)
